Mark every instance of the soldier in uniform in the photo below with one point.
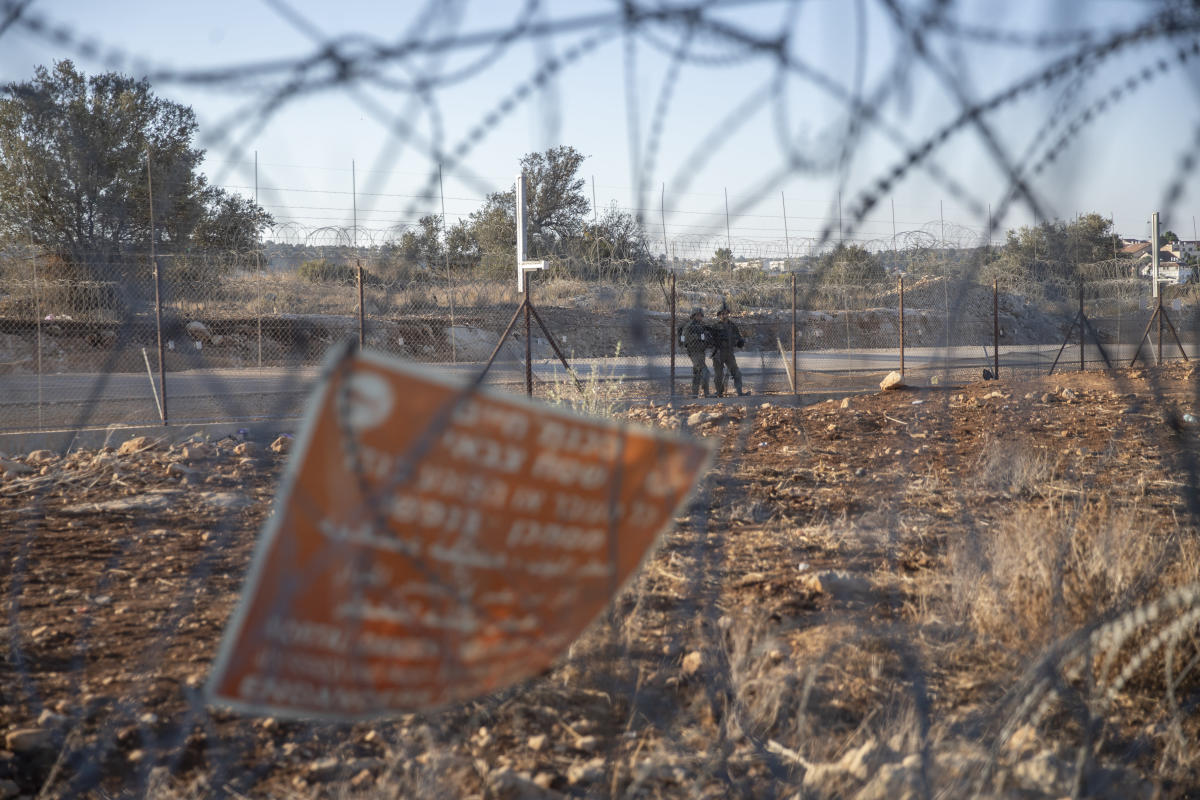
(726, 336)
(697, 338)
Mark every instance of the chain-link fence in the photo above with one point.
(88, 345)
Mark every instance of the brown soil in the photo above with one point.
(737, 663)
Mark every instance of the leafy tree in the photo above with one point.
(555, 203)
(616, 241)
(232, 222)
(422, 246)
(722, 260)
(73, 170)
(850, 265)
(1054, 250)
(1167, 237)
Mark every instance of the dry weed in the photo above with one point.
(1044, 571)
(1001, 467)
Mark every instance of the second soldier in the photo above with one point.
(726, 336)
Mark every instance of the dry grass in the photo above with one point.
(1044, 571)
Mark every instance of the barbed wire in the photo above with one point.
(72, 328)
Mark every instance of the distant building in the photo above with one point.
(1169, 272)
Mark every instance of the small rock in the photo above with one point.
(845, 403)
(588, 744)
(282, 444)
(362, 779)
(196, 451)
(1024, 740)
(41, 457)
(860, 472)
(505, 784)
(177, 469)
(935, 380)
(227, 501)
(692, 662)
(994, 395)
(1069, 394)
(323, 768)
(29, 741)
(1045, 773)
(893, 381)
(586, 771)
(48, 719)
(135, 445)
(198, 331)
(837, 584)
(537, 742)
(246, 449)
(14, 468)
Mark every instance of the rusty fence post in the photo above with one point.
(162, 370)
(795, 374)
(528, 343)
(671, 376)
(901, 326)
(1081, 339)
(362, 318)
(1159, 313)
(995, 328)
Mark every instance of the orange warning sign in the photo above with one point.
(432, 543)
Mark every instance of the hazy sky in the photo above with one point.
(756, 100)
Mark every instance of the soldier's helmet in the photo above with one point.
(697, 312)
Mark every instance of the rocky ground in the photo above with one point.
(913, 593)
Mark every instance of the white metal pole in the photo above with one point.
(662, 210)
(1154, 254)
(521, 211)
(787, 244)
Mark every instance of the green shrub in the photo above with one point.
(322, 270)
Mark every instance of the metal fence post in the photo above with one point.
(1081, 339)
(258, 271)
(901, 326)
(162, 371)
(37, 309)
(795, 374)
(1159, 313)
(528, 343)
(995, 328)
(671, 377)
(362, 325)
